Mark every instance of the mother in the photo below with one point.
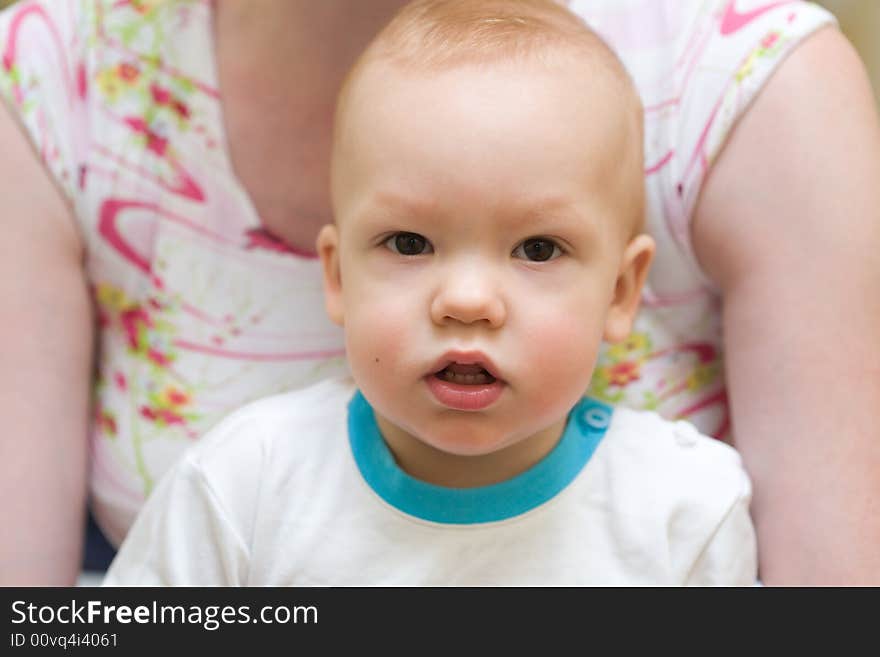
(157, 251)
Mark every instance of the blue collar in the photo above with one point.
(584, 429)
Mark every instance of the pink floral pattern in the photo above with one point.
(200, 309)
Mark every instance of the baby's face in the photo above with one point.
(480, 237)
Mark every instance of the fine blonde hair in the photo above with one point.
(436, 35)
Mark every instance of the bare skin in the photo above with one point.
(801, 318)
(47, 335)
(791, 234)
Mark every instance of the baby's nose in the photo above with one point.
(469, 295)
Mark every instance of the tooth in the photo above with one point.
(464, 379)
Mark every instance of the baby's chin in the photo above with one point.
(471, 440)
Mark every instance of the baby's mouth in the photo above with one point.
(468, 375)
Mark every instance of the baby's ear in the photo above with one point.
(328, 251)
(634, 265)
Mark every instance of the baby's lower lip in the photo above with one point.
(463, 396)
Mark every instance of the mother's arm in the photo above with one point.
(788, 226)
(45, 364)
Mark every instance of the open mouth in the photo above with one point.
(465, 381)
(468, 375)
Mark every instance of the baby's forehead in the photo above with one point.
(546, 89)
(492, 151)
(511, 111)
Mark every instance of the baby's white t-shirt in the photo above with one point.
(300, 489)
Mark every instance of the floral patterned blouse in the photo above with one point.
(200, 309)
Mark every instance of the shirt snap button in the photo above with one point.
(596, 418)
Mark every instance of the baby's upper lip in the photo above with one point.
(465, 358)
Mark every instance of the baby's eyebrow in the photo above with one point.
(397, 202)
(536, 214)
(553, 208)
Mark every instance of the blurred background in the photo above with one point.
(859, 19)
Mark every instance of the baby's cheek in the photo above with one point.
(376, 337)
(562, 354)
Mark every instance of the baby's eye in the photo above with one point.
(409, 244)
(538, 249)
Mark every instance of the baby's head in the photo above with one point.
(488, 192)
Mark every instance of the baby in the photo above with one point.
(488, 194)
